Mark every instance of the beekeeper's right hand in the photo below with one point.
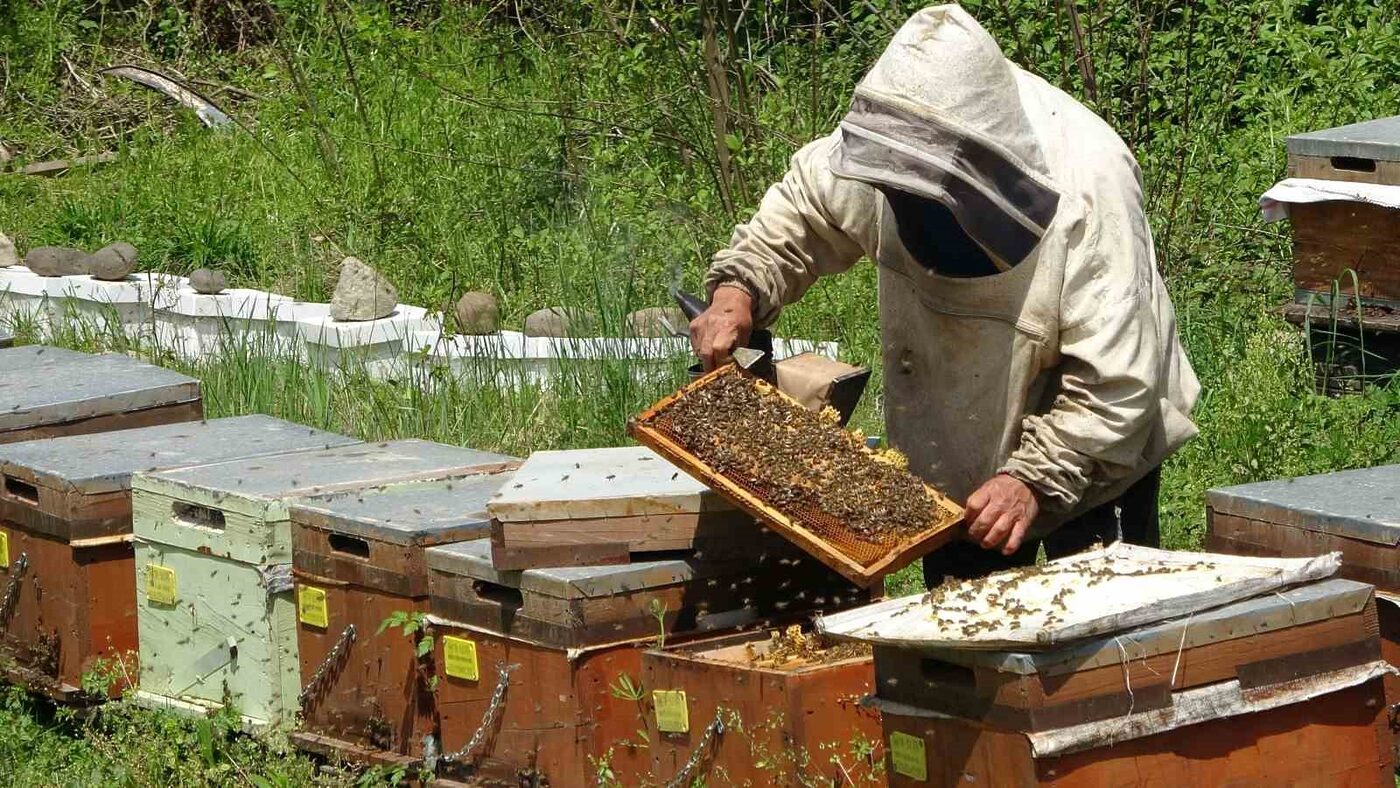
(723, 327)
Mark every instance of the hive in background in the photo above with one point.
(46, 392)
(65, 539)
(577, 635)
(359, 563)
(589, 507)
(213, 567)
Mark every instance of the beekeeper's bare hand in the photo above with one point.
(723, 327)
(999, 513)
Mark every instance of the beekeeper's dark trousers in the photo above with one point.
(1131, 518)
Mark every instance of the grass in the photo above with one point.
(581, 154)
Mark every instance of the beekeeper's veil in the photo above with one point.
(940, 116)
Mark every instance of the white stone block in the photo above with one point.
(129, 306)
(335, 342)
(23, 298)
(200, 325)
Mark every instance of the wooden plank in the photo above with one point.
(1323, 168)
(1388, 624)
(1332, 237)
(147, 417)
(65, 389)
(895, 558)
(57, 167)
(1363, 561)
(418, 513)
(545, 543)
(337, 749)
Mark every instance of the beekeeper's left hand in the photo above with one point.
(999, 513)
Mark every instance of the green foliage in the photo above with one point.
(410, 623)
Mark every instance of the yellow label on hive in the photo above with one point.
(160, 584)
(672, 715)
(907, 753)
(311, 607)
(459, 658)
(4, 549)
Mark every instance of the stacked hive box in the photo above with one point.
(358, 561)
(789, 722)
(546, 663)
(213, 562)
(599, 506)
(1281, 689)
(65, 537)
(1356, 513)
(46, 392)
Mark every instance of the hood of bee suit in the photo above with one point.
(940, 115)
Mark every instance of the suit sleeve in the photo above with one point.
(810, 224)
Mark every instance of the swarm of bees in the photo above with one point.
(792, 645)
(796, 459)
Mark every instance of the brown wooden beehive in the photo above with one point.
(1284, 688)
(795, 723)
(358, 558)
(47, 392)
(860, 557)
(577, 635)
(65, 537)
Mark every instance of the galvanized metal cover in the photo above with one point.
(591, 483)
(1374, 139)
(320, 472)
(104, 461)
(1361, 504)
(473, 559)
(416, 513)
(41, 386)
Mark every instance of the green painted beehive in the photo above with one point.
(215, 611)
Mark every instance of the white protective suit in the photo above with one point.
(1064, 369)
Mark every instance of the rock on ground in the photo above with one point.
(558, 321)
(56, 261)
(648, 322)
(362, 293)
(8, 255)
(113, 262)
(207, 281)
(477, 313)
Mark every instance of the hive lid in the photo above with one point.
(473, 559)
(1360, 504)
(327, 470)
(1373, 139)
(104, 461)
(409, 513)
(594, 483)
(1093, 593)
(46, 386)
(1291, 607)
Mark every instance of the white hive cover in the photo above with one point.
(1094, 593)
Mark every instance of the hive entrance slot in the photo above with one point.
(349, 545)
(196, 515)
(505, 596)
(22, 490)
(936, 670)
(1353, 164)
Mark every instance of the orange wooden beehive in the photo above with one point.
(862, 559)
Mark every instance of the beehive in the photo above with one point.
(213, 565)
(65, 536)
(1280, 689)
(797, 722)
(358, 558)
(1334, 236)
(598, 506)
(1356, 513)
(46, 392)
(577, 634)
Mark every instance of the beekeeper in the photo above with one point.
(1032, 365)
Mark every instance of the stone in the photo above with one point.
(56, 261)
(113, 263)
(558, 321)
(362, 293)
(8, 255)
(478, 314)
(207, 281)
(648, 322)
